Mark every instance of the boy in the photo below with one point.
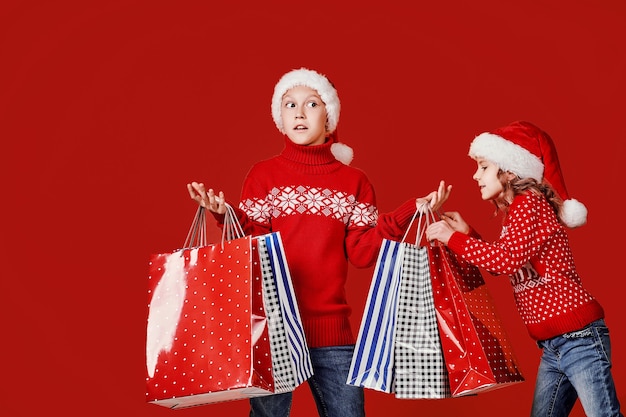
(326, 213)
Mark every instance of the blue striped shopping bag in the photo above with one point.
(373, 360)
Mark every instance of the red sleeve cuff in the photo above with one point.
(457, 242)
(404, 214)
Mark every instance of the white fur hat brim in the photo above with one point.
(507, 155)
(311, 79)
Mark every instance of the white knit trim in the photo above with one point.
(507, 155)
(313, 80)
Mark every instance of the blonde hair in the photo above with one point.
(518, 186)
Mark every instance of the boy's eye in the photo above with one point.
(290, 105)
(311, 104)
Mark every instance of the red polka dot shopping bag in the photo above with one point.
(476, 349)
(217, 316)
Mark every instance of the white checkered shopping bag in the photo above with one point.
(291, 361)
(420, 367)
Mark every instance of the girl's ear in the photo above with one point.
(509, 176)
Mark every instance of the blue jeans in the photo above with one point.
(576, 365)
(333, 397)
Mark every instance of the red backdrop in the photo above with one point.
(107, 110)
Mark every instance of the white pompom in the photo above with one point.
(573, 213)
(342, 152)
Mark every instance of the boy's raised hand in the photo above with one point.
(207, 199)
(436, 198)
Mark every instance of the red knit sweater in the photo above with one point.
(534, 251)
(326, 214)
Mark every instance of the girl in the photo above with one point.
(518, 170)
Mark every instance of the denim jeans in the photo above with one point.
(576, 365)
(333, 397)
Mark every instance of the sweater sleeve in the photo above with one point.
(522, 237)
(253, 212)
(363, 242)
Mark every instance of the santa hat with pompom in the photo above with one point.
(328, 94)
(527, 151)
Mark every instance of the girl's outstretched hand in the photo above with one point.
(436, 198)
(207, 199)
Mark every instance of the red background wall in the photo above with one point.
(107, 110)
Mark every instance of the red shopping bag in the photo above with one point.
(476, 349)
(207, 337)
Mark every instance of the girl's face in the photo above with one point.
(486, 176)
(304, 116)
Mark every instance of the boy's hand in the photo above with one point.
(436, 198)
(207, 199)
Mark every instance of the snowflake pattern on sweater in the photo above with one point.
(299, 200)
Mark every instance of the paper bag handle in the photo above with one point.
(197, 232)
(232, 228)
(197, 235)
(423, 212)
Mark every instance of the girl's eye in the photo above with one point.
(311, 104)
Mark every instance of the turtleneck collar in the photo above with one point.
(313, 159)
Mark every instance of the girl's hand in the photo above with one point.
(455, 221)
(207, 199)
(442, 230)
(436, 198)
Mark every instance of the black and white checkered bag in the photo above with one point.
(281, 358)
(291, 362)
(420, 369)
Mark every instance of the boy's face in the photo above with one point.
(304, 116)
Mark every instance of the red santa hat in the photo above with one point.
(529, 152)
(328, 94)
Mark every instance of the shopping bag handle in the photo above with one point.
(197, 232)
(423, 212)
(197, 235)
(232, 228)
